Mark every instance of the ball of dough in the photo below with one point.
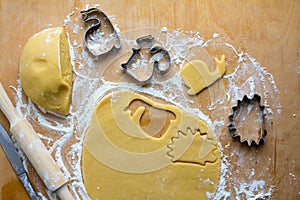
(46, 71)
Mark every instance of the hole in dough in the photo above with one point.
(154, 121)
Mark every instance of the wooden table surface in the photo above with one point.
(267, 30)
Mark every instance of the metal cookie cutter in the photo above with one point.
(248, 111)
(100, 36)
(140, 66)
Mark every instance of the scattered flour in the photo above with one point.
(89, 86)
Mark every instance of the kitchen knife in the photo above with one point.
(16, 163)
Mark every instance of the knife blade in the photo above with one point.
(16, 162)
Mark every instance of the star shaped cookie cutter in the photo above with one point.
(100, 36)
(238, 120)
(139, 64)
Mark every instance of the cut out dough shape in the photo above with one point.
(197, 76)
(120, 161)
(46, 71)
(201, 150)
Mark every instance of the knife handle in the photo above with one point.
(34, 149)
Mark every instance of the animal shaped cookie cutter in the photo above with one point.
(100, 36)
(139, 64)
(248, 103)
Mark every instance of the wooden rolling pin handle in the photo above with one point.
(7, 108)
(35, 149)
(38, 155)
(64, 193)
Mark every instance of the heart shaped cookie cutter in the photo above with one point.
(100, 36)
(139, 64)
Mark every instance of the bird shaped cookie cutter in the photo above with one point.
(140, 66)
(100, 36)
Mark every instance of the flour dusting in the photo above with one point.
(92, 81)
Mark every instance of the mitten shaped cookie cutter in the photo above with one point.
(100, 36)
(139, 64)
(238, 118)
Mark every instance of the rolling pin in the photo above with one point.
(35, 149)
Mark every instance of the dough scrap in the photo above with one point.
(46, 71)
(197, 76)
(121, 161)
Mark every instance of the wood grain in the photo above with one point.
(267, 30)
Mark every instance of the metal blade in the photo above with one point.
(30, 190)
(16, 162)
(11, 152)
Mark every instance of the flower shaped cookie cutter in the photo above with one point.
(248, 120)
(100, 36)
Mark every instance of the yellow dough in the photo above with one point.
(121, 161)
(197, 77)
(46, 71)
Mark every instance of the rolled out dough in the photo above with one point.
(46, 71)
(121, 161)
